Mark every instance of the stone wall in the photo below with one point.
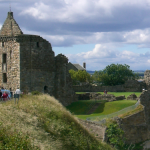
(147, 78)
(88, 88)
(12, 66)
(130, 85)
(37, 64)
(63, 83)
(137, 126)
(94, 128)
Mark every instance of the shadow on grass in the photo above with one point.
(100, 109)
(81, 107)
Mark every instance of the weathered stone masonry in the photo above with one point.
(137, 126)
(28, 62)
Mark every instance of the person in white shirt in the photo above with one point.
(17, 94)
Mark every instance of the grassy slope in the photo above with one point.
(109, 107)
(79, 108)
(48, 124)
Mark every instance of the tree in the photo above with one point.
(97, 76)
(73, 75)
(80, 76)
(115, 74)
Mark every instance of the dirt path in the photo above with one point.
(93, 108)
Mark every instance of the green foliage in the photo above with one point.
(115, 136)
(97, 76)
(114, 75)
(35, 93)
(80, 76)
(14, 140)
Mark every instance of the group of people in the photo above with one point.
(6, 94)
(105, 92)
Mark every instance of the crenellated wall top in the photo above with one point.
(22, 38)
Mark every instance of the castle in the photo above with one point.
(28, 62)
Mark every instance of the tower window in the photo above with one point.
(4, 78)
(37, 44)
(4, 58)
(2, 44)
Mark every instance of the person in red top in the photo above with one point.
(105, 92)
(5, 96)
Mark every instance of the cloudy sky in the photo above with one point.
(97, 32)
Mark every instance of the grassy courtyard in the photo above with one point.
(80, 108)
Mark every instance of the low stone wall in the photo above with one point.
(85, 88)
(135, 128)
(129, 86)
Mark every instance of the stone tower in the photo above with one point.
(28, 62)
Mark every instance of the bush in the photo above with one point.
(115, 136)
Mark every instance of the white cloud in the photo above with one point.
(103, 55)
(77, 11)
(38, 11)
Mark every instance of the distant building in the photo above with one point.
(76, 67)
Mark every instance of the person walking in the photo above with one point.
(17, 95)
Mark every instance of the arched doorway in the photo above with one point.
(45, 89)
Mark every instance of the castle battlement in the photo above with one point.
(24, 37)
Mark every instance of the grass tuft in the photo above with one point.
(137, 109)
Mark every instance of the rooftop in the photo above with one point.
(10, 26)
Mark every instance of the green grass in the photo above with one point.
(111, 107)
(78, 108)
(80, 92)
(117, 93)
(81, 107)
(137, 109)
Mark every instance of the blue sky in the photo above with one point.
(97, 32)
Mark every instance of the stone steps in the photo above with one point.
(96, 105)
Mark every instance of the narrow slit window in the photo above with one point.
(2, 44)
(37, 44)
(4, 58)
(4, 78)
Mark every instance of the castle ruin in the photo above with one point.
(28, 62)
